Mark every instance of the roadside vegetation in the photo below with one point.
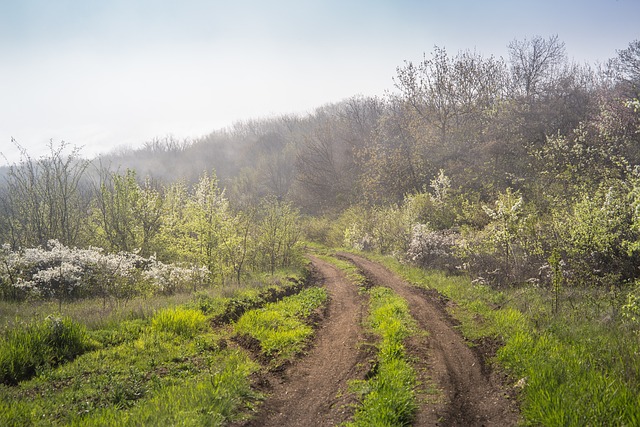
(167, 367)
(281, 327)
(388, 396)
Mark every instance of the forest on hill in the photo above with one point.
(509, 188)
(485, 164)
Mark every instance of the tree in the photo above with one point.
(207, 212)
(535, 64)
(322, 168)
(504, 231)
(627, 68)
(453, 102)
(45, 198)
(279, 233)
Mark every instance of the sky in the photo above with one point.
(112, 74)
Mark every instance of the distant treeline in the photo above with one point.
(555, 141)
(490, 123)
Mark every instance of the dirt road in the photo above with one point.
(313, 391)
(471, 398)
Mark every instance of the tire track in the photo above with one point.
(471, 398)
(313, 391)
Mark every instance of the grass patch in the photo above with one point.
(280, 327)
(351, 271)
(213, 398)
(167, 368)
(179, 320)
(27, 348)
(389, 396)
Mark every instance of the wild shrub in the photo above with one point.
(433, 249)
(26, 348)
(62, 273)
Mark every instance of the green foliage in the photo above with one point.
(128, 216)
(279, 234)
(180, 321)
(631, 308)
(381, 229)
(26, 348)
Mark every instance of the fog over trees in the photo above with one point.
(562, 138)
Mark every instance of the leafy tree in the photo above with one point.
(207, 211)
(239, 242)
(128, 216)
(279, 233)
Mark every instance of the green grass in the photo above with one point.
(389, 396)
(280, 327)
(166, 368)
(213, 398)
(351, 271)
(577, 368)
(27, 348)
(181, 321)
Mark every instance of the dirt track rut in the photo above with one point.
(313, 391)
(471, 398)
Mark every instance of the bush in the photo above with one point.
(50, 342)
(433, 249)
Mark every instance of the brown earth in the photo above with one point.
(472, 395)
(313, 391)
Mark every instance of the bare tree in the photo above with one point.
(321, 167)
(627, 68)
(535, 64)
(44, 198)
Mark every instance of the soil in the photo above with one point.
(313, 390)
(473, 395)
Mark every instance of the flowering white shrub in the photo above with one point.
(61, 272)
(170, 278)
(432, 249)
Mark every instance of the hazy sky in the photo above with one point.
(111, 73)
